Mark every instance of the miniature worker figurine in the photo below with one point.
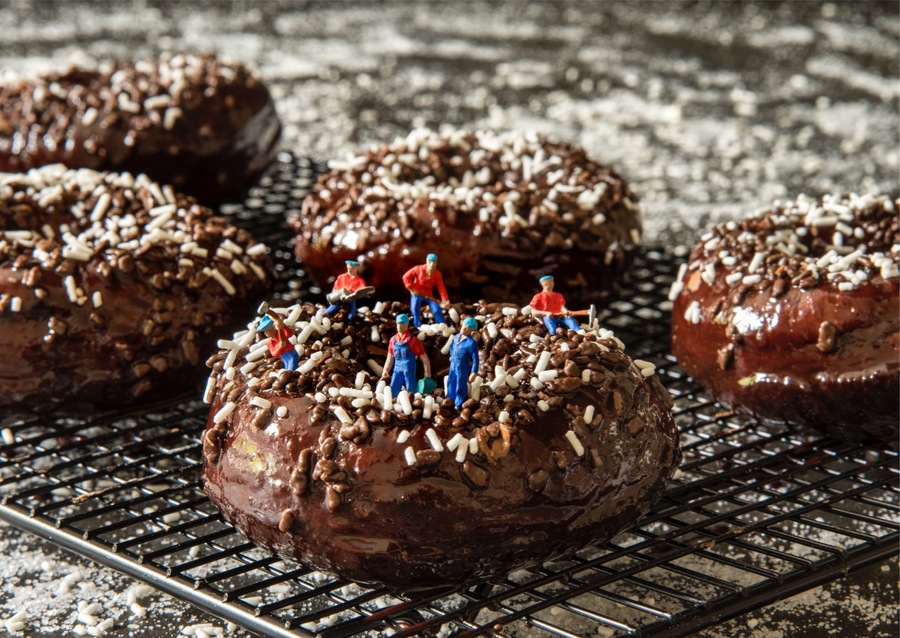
(551, 307)
(421, 281)
(279, 336)
(344, 286)
(463, 361)
(403, 350)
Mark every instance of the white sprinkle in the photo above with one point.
(378, 308)
(473, 446)
(548, 375)
(403, 437)
(428, 407)
(455, 442)
(171, 116)
(341, 414)
(434, 440)
(543, 405)
(388, 401)
(462, 450)
(8, 437)
(210, 389)
(589, 414)
(224, 412)
(410, 455)
(405, 404)
(543, 360)
(732, 278)
(756, 262)
(260, 402)
(219, 277)
(692, 313)
(90, 116)
(281, 412)
(536, 383)
(751, 280)
(576, 444)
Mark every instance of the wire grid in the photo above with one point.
(758, 512)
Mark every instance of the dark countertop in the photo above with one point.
(710, 110)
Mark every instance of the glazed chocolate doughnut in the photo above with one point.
(563, 441)
(499, 210)
(204, 126)
(111, 287)
(794, 315)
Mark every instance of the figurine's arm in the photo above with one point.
(388, 366)
(409, 279)
(426, 364)
(442, 290)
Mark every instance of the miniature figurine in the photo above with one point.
(463, 361)
(551, 307)
(279, 335)
(348, 287)
(403, 350)
(421, 281)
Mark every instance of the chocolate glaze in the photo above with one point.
(217, 147)
(803, 351)
(492, 257)
(429, 526)
(158, 316)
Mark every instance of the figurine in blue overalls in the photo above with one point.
(463, 361)
(403, 350)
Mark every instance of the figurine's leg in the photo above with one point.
(453, 385)
(290, 359)
(352, 312)
(410, 381)
(550, 324)
(571, 323)
(415, 307)
(396, 380)
(437, 311)
(461, 390)
(333, 308)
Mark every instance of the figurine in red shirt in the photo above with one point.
(403, 350)
(279, 339)
(551, 307)
(421, 281)
(348, 287)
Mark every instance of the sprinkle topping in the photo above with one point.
(510, 184)
(54, 218)
(841, 240)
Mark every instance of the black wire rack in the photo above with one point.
(758, 511)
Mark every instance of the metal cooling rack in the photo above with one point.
(759, 512)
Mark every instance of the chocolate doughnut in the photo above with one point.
(204, 126)
(563, 441)
(112, 286)
(793, 315)
(499, 210)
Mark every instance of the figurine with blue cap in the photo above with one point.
(403, 350)
(271, 325)
(421, 281)
(551, 308)
(348, 287)
(463, 361)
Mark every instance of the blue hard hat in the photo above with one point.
(470, 323)
(431, 257)
(403, 318)
(546, 277)
(351, 262)
(264, 323)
